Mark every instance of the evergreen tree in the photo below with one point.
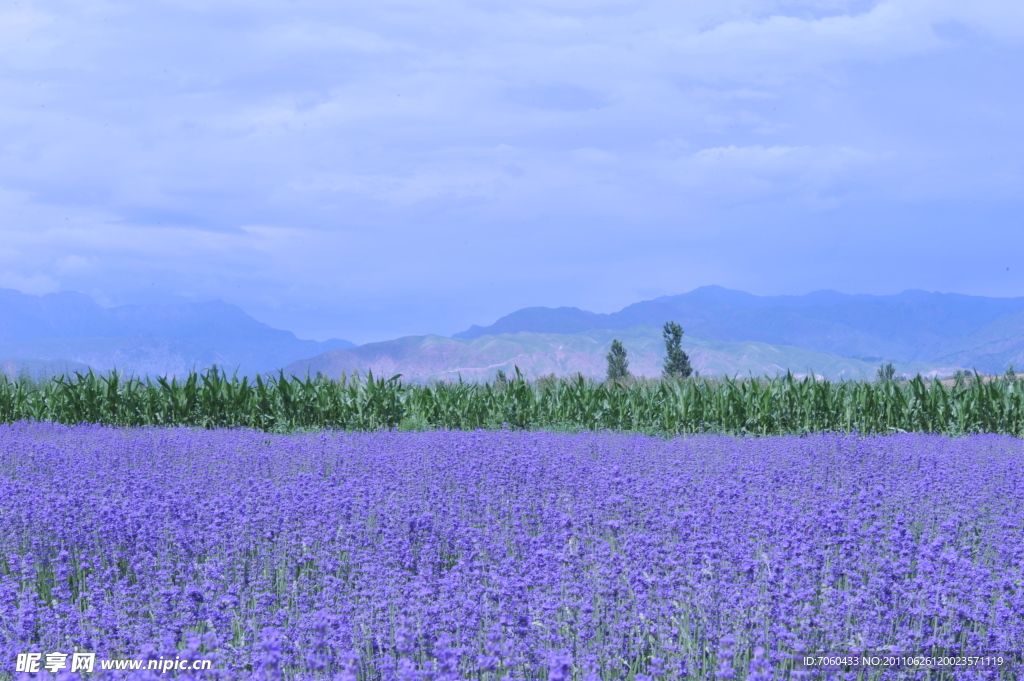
(618, 365)
(677, 364)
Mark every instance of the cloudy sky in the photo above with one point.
(366, 170)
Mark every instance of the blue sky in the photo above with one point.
(370, 170)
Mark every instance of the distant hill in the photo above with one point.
(991, 348)
(913, 326)
(15, 367)
(831, 334)
(426, 358)
(41, 332)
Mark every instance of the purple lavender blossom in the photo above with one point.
(444, 556)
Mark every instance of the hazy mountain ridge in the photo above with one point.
(15, 367)
(426, 358)
(159, 339)
(831, 334)
(998, 344)
(909, 326)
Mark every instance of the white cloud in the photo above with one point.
(22, 36)
(248, 141)
(771, 46)
(1001, 20)
(305, 36)
(75, 264)
(35, 284)
(757, 172)
(782, 47)
(591, 155)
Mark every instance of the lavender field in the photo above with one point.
(509, 554)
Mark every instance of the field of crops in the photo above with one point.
(780, 406)
(521, 555)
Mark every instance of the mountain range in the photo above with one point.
(829, 334)
(913, 326)
(425, 358)
(69, 331)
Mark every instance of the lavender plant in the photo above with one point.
(508, 554)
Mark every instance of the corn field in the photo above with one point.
(779, 406)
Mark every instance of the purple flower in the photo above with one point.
(760, 669)
(443, 554)
(559, 666)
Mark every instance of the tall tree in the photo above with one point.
(677, 364)
(885, 373)
(618, 365)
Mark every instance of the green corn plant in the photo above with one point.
(751, 406)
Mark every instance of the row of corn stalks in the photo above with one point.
(783, 405)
